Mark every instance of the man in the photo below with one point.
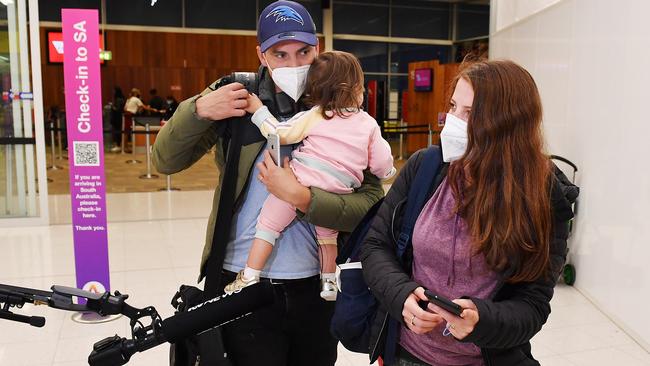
(170, 107)
(295, 330)
(155, 101)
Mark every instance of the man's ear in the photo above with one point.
(261, 57)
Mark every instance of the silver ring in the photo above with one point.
(413, 320)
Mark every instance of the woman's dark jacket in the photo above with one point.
(512, 315)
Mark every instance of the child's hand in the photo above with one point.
(254, 103)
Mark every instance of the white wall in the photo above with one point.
(508, 12)
(591, 62)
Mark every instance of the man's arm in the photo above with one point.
(342, 212)
(191, 131)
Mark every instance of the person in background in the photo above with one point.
(492, 236)
(134, 107)
(155, 101)
(170, 107)
(116, 118)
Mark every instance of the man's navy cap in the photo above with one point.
(285, 21)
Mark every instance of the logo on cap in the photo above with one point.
(283, 13)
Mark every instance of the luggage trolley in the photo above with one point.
(569, 272)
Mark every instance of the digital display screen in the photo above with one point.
(423, 80)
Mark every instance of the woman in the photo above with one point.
(492, 235)
(134, 107)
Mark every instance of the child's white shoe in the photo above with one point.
(239, 283)
(328, 289)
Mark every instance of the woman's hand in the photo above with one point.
(418, 320)
(460, 327)
(254, 103)
(282, 183)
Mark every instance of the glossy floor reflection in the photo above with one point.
(150, 257)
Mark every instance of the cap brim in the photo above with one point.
(304, 37)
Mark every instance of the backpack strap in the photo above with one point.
(350, 251)
(425, 179)
(417, 195)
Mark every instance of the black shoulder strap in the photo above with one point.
(238, 134)
(426, 174)
(223, 222)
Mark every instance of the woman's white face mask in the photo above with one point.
(453, 138)
(291, 80)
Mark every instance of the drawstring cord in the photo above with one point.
(451, 277)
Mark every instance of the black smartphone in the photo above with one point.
(444, 303)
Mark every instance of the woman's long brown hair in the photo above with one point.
(503, 179)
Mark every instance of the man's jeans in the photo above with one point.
(294, 331)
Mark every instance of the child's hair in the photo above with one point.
(334, 83)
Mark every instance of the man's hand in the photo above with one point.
(282, 183)
(225, 102)
(254, 103)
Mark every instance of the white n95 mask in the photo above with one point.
(291, 80)
(453, 138)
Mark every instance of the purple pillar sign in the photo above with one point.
(85, 147)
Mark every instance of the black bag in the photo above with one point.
(200, 350)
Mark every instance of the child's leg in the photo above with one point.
(259, 254)
(327, 243)
(328, 251)
(275, 216)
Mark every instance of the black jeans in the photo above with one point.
(294, 331)
(405, 358)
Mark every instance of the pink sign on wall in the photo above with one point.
(85, 147)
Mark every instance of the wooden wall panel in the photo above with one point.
(148, 60)
(423, 107)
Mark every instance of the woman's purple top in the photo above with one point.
(445, 263)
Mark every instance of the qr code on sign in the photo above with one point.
(86, 153)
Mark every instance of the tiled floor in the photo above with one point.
(122, 177)
(158, 247)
